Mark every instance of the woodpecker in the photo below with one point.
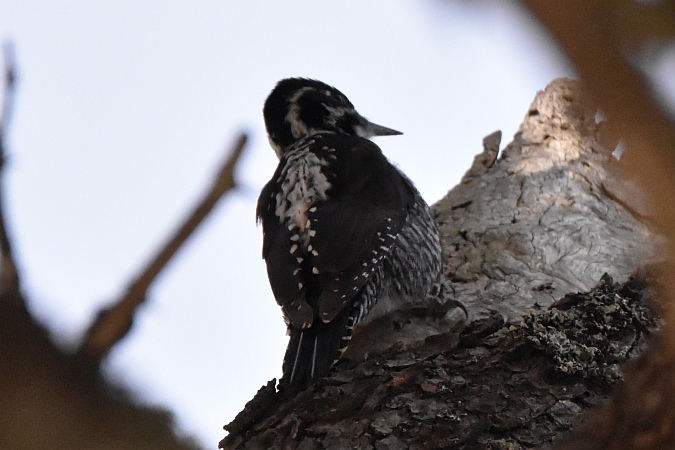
(343, 229)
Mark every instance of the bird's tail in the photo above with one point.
(312, 351)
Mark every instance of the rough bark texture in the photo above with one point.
(547, 219)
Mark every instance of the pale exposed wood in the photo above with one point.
(548, 218)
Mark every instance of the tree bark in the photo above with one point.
(521, 235)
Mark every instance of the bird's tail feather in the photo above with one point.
(312, 351)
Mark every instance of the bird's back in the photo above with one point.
(343, 228)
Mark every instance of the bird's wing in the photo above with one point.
(284, 261)
(355, 227)
(350, 231)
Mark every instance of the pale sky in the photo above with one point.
(122, 115)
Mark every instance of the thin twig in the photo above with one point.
(113, 323)
(9, 279)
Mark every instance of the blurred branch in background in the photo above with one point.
(52, 399)
(113, 323)
(601, 39)
(9, 279)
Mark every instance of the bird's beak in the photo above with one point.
(368, 129)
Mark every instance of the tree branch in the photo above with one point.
(9, 279)
(113, 323)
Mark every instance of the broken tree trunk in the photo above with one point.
(550, 217)
(520, 233)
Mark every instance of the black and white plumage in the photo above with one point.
(343, 228)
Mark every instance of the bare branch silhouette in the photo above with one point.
(9, 279)
(113, 323)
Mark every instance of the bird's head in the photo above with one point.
(300, 107)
